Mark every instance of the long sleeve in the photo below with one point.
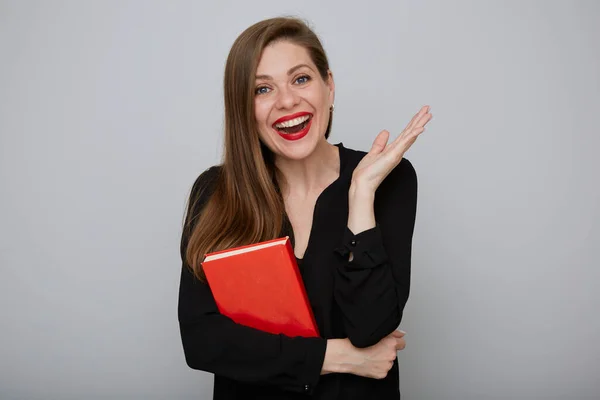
(372, 289)
(214, 343)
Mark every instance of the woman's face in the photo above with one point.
(291, 100)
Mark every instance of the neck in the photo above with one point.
(311, 174)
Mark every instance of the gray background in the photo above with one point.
(109, 111)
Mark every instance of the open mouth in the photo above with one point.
(293, 125)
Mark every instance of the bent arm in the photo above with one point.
(214, 343)
(373, 283)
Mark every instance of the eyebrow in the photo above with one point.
(290, 71)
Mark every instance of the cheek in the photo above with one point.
(323, 105)
(321, 99)
(261, 112)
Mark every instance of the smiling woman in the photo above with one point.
(350, 216)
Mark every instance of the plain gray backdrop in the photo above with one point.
(110, 109)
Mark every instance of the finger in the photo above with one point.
(424, 110)
(415, 132)
(412, 121)
(403, 142)
(423, 120)
(409, 136)
(380, 142)
(400, 344)
(413, 129)
(398, 333)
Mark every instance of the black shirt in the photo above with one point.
(362, 299)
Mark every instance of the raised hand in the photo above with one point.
(383, 157)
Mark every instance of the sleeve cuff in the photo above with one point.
(313, 350)
(315, 356)
(367, 248)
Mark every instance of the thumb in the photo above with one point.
(380, 142)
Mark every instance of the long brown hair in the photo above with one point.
(246, 205)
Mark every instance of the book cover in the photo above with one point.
(260, 286)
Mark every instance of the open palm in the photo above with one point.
(384, 157)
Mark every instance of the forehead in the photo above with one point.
(278, 57)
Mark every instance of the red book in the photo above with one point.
(260, 286)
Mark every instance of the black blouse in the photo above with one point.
(362, 299)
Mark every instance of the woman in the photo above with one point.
(350, 216)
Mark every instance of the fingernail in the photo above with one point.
(401, 331)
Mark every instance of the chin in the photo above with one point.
(298, 150)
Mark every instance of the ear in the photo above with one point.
(331, 85)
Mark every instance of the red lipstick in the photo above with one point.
(297, 135)
(291, 116)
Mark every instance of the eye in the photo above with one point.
(261, 90)
(302, 79)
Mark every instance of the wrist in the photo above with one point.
(359, 192)
(361, 211)
(338, 356)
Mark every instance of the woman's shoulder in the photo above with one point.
(404, 172)
(205, 182)
(208, 176)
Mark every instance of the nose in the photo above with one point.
(287, 98)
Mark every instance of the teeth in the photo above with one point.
(293, 122)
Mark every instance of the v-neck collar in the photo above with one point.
(343, 163)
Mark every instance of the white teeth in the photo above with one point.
(293, 122)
